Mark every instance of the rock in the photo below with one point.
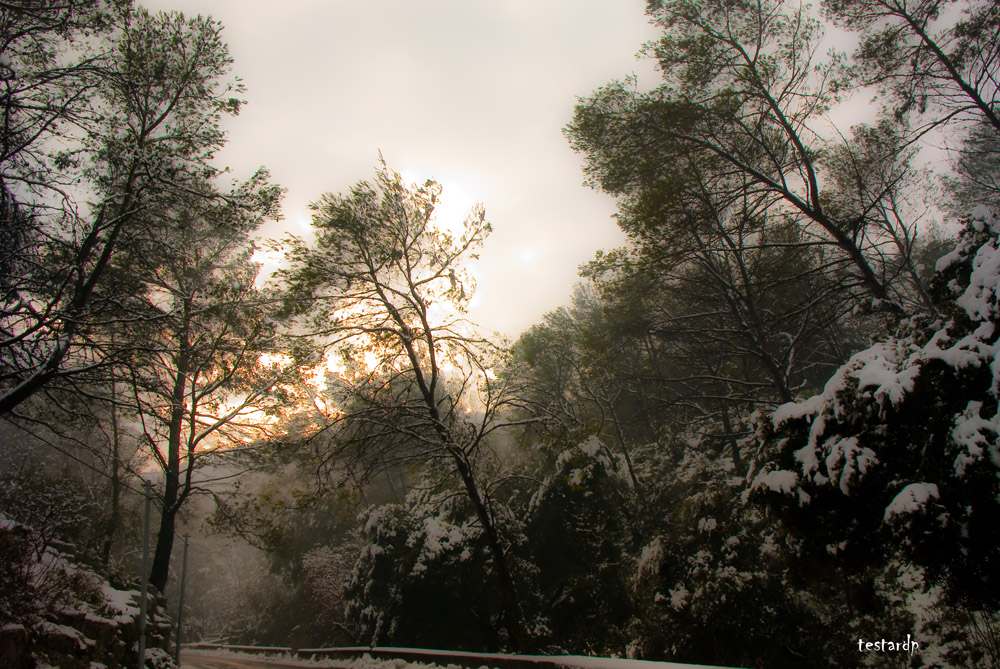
(14, 648)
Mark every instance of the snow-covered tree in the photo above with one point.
(902, 447)
(577, 531)
(384, 286)
(418, 580)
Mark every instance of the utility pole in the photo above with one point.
(145, 581)
(180, 605)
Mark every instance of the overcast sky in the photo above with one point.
(472, 93)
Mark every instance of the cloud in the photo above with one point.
(472, 94)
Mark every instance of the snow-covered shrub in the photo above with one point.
(901, 448)
(715, 581)
(17, 597)
(58, 611)
(41, 515)
(424, 578)
(55, 507)
(578, 543)
(326, 572)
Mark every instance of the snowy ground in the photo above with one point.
(223, 659)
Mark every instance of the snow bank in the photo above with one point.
(123, 603)
(448, 660)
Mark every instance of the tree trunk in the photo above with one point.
(165, 539)
(171, 474)
(512, 603)
(164, 546)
